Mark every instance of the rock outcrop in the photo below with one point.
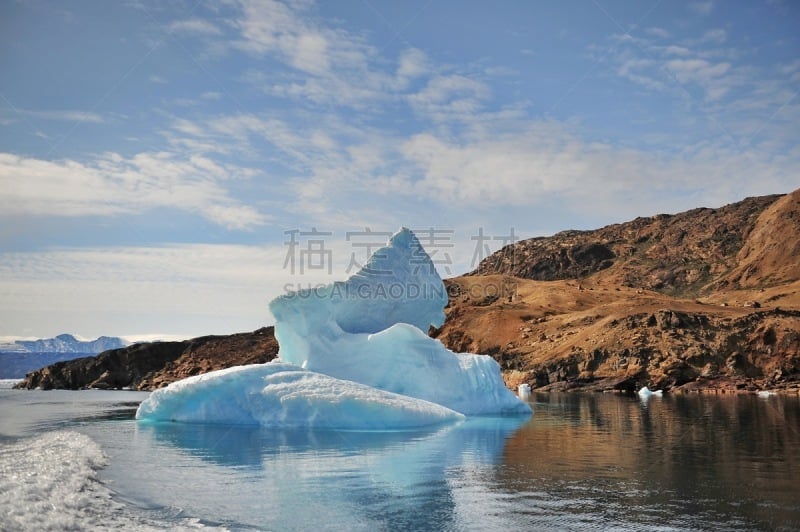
(148, 366)
(592, 335)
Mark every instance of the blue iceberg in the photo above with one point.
(353, 355)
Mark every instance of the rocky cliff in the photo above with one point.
(149, 366)
(707, 299)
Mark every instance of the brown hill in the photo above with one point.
(679, 254)
(709, 298)
(771, 253)
(149, 366)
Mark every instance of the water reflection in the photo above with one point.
(369, 480)
(678, 460)
(241, 445)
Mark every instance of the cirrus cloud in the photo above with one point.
(111, 184)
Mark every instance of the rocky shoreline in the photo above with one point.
(149, 366)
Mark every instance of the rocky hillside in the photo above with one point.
(684, 254)
(152, 365)
(706, 299)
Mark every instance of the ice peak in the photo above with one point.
(404, 237)
(398, 284)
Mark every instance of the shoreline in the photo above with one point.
(719, 386)
(706, 386)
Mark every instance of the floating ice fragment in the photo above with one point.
(644, 391)
(524, 391)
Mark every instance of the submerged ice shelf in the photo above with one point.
(353, 355)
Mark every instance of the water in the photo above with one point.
(583, 462)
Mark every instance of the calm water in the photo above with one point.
(582, 462)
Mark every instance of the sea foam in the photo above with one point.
(50, 482)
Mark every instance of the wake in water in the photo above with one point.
(50, 483)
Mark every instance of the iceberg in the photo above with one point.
(645, 392)
(353, 355)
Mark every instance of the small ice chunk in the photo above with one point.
(644, 391)
(524, 391)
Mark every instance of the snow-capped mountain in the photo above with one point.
(64, 343)
(21, 356)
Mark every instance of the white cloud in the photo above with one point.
(704, 63)
(632, 70)
(67, 116)
(326, 65)
(791, 67)
(270, 27)
(676, 50)
(194, 26)
(183, 289)
(717, 36)
(413, 64)
(450, 97)
(703, 8)
(660, 33)
(524, 168)
(111, 184)
(707, 75)
(696, 70)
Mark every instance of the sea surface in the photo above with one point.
(79, 460)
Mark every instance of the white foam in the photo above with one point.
(50, 483)
(7, 384)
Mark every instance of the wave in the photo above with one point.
(50, 482)
(7, 384)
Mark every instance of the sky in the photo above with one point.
(168, 168)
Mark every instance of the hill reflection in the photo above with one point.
(691, 457)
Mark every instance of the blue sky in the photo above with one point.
(153, 155)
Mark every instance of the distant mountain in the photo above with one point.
(23, 356)
(66, 343)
